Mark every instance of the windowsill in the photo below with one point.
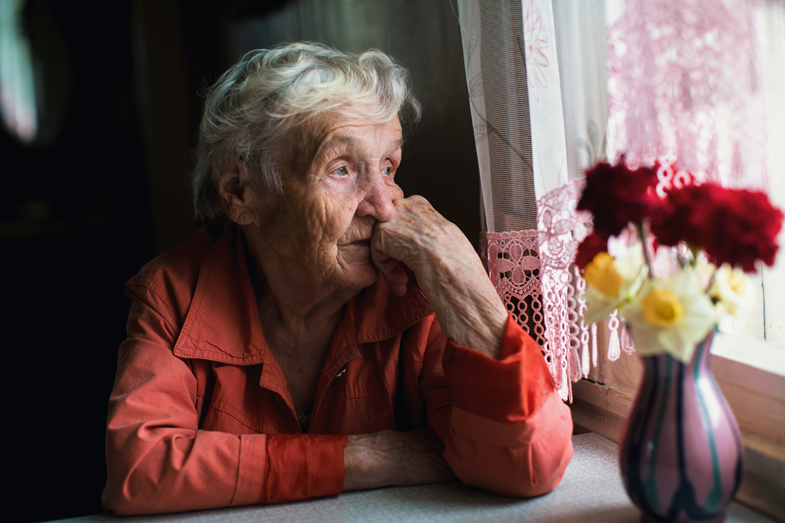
(751, 375)
(751, 352)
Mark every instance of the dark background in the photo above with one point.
(103, 191)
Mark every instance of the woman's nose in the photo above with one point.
(378, 198)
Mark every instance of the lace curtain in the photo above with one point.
(555, 86)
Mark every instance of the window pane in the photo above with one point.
(17, 87)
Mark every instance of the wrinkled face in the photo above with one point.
(338, 183)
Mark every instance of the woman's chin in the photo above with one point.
(360, 273)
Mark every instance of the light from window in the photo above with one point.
(17, 85)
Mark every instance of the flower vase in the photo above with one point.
(680, 450)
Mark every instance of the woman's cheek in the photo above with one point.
(334, 215)
(335, 200)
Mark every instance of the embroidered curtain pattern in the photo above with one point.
(515, 85)
(696, 107)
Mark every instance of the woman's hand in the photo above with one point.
(394, 458)
(448, 271)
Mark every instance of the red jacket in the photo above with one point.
(201, 416)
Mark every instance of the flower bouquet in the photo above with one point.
(673, 263)
(718, 235)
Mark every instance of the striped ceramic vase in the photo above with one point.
(680, 450)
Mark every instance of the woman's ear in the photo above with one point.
(236, 196)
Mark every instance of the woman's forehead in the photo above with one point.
(385, 136)
(359, 131)
(329, 132)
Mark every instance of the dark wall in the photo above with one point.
(80, 214)
(74, 226)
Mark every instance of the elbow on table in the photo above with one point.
(136, 483)
(531, 462)
(542, 472)
(117, 501)
(523, 472)
(127, 497)
(139, 487)
(122, 498)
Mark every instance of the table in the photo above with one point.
(591, 491)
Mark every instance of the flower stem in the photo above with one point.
(646, 254)
(694, 250)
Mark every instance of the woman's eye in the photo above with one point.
(387, 170)
(341, 171)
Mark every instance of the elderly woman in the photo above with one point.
(323, 333)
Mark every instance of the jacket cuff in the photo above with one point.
(302, 466)
(508, 390)
(250, 476)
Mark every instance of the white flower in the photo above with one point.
(612, 284)
(732, 289)
(671, 315)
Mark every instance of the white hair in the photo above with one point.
(269, 93)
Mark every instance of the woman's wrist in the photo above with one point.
(365, 464)
(467, 305)
(393, 458)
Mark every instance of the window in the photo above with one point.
(17, 84)
(35, 72)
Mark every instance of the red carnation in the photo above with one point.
(616, 196)
(590, 247)
(681, 218)
(737, 227)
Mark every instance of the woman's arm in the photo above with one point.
(489, 394)
(159, 460)
(503, 424)
(448, 271)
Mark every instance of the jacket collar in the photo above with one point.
(222, 323)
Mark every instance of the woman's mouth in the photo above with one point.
(362, 243)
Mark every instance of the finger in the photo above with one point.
(391, 271)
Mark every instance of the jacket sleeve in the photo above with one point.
(158, 460)
(503, 424)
